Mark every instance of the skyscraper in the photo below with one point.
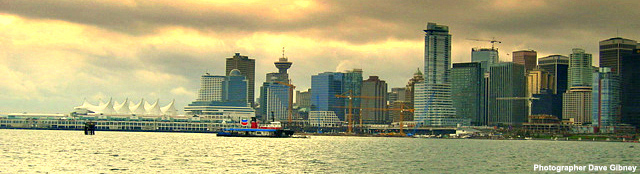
(606, 99)
(485, 56)
(630, 79)
(433, 104)
(234, 87)
(247, 67)
(580, 69)
(274, 94)
(325, 86)
(526, 58)
(612, 50)
(376, 89)
(353, 83)
(622, 56)
(576, 102)
(558, 67)
(467, 86)
(210, 88)
(410, 90)
(506, 88)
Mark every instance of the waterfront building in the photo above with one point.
(126, 108)
(410, 91)
(576, 105)
(324, 119)
(353, 83)
(210, 88)
(506, 93)
(247, 68)
(630, 82)
(234, 87)
(325, 86)
(433, 103)
(621, 55)
(528, 58)
(576, 102)
(606, 99)
(485, 56)
(274, 102)
(274, 93)
(468, 92)
(580, 69)
(376, 92)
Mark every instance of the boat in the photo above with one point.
(273, 130)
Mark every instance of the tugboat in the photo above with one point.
(273, 130)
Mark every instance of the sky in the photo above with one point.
(54, 54)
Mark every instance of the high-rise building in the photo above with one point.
(467, 87)
(325, 86)
(353, 84)
(274, 93)
(433, 103)
(528, 58)
(576, 102)
(580, 69)
(397, 94)
(630, 93)
(376, 91)
(410, 90)
(303, 99)
(606, 99)
(210, 88)
(485, 56)
(612, 50)
(558, 67)
(247, 67)
(539, 81)
(234, 87)
(274, 102)
(506, 90)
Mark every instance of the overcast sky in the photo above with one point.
(55, 53)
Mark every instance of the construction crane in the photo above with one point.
(290, 108)
(402, 110)
(493, 41)
(349, 95)
(529, 100)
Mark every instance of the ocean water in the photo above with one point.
(47, 151)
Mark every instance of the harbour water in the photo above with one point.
(41, 151)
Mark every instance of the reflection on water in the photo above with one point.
(32, 151)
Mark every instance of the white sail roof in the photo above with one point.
(128, 108)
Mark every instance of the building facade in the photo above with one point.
(485, 56)
(506, 93)
(325, 86)
(373, 106)
(468, 94)
(353, 84)
(210, 88)
(606, 98)
(580, 69)
(247, 68)
(528, 58)
(433, 103)
(576, 102)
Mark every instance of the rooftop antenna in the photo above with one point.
(283, 52)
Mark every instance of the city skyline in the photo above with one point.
(61, 54)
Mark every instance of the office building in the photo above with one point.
(303, 99)
(274, 93)
(352, 84)
(397, 94)
(576, 102)
(210, 88)
(506, 93)
(630, 79)
(528, 58)
(410, 91)
(580, 69)
(606, 98)
(247, 68)
(433, 103)
(325, 86)
(485, 56)
(467, 86)
(558, 67)
(375, 91)
(612, 50)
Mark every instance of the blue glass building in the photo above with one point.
(606, 98)
(325, 86)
